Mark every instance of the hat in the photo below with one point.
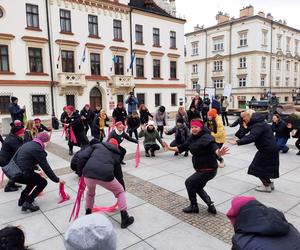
(197, 123)
(91, 232)
(180, 120)
(17, 130)
(119, 124)
(44, 137)
(70, 108)
(150, 123)
(37, 120)
(113, 141)
(87, 105)
(236, 204)
(13, 98)
(17, 123)
(212, 112)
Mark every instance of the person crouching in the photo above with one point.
(151, 135)
(100, 165)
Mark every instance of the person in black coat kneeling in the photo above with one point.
(259, 227)
(29, 155)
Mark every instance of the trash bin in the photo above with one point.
(6, 126)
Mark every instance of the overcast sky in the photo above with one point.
(204, 12)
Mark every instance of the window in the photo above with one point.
(263, 62)
(242, 82)
(4, 60)
(195, 69)
(262, 81)
(286, 98)
(277, 81)
(218, 44)
(32, 16)
(156, 68)
(173, 70)
(141, 98)
(295, 82)
(288, 44)
(288, 63)
(172, 39)
(173, 99)
(35, 60)
(296, 67)
(156, 39)
(4, 104)
(243, 39)
(65, 21)
(264, 37)
(194, 85)
(157, 100)
(278, 64)
(120, 98)
(243, 62)
(195, 46)
(218, 65)
(117, 30)
(70, 100)
(296, 46)
(138, 33)
(279, 41)
(93, 25)
(119, 65)
(39, 104)
(139, 67)
(95, 64)
(287, 81)
(218, 84)
(67, 59)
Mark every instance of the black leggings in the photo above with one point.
(225, 118)
(297, 144)
(35, 184)
(135, 133)
(195, 184)
(266, 181)
(160, 130)
(123, 153)
(152, 147)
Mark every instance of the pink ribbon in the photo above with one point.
(137, 156)
(63, 195)
(65, 131)
(110, 209)
(80, 192)
(72, 136)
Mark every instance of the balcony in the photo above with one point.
(217, 73)
(71, 80)
(119, 81)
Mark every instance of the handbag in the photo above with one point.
(12, 170)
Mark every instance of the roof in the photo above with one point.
(151, 8)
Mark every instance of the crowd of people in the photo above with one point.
(199, 131)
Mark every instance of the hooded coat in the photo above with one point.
(9, 148)
(263, 228)
(75, 122)
(266, 161)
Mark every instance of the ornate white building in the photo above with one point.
(253, 53)
(58, 52)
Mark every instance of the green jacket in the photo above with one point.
(150, 138)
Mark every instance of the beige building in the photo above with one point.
(254, 54)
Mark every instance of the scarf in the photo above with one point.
(39, 142)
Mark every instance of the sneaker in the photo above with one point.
(191, 209)
(263, 188)
(272, 186)
(123, 163)
(222, 164)
(212, 209)
(186, 154)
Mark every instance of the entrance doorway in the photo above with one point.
(95, 98)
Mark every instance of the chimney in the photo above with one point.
(262, 14)
(222, 17)
(269, 16)
(197, 27)
(247, 11)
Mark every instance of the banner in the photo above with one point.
(227, 90)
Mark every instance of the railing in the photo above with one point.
(72, 80)
(119, 81)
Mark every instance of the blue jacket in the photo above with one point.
(132, 104)
(216, 105)
(263, 228)
(16, 112)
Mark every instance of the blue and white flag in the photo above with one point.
(83, 58)
(132, 60)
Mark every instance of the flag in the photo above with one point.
(115, 59)
(132, 60)
(83, 57)
(58, 59)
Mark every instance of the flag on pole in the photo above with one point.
(83, 57)
(115, 59)
(132, 60)
(58, 58)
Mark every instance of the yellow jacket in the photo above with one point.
(220, 136)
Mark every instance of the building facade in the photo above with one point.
(253, 54)
(61, 52)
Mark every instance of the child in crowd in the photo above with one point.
(41, 127)
(181, 132)
(151, 135)
(133, 123)
(161, 120)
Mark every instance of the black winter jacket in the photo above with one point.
(119, 115)
(193, 115)
(77, 126)
(42, 128)
(133, 123)
(144, 116)
(63, 117)
(181, 134)
(203, 148)
(9, 148)
(263, 228)
(16, 112)
(100, 161)
(120, 138)
(32, 154)
(88, 115)
(281, 130)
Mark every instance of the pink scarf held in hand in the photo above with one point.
(80, 192)
(111, 209)
(63, 195)
(137, 156)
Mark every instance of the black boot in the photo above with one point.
(147, 153)
(10, 187)
(29, 206)
(186, 154)
(21, 202)
(126, 220)
(123, 163)
(191, 209)
(152, 153)
(88, 211)
(211, 208)
(298, 153)
(70, 151)
(176, 153)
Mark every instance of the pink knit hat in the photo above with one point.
(44, 137)
(236, 204)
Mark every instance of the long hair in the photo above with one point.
(30, 127)
(12, 238)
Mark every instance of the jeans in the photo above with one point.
(281, 144)
(225, 118)
(114, 186)
(195, 184)
(35, 184)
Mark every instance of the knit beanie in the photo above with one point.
(44, 137)
(197, 123)
(180, 120)
(70, 108)
(113, 141)
(236, 204)
(37, 120)
(17, 130)
(13, 98)
(119, 124)
(91, 232)
(212, 112)
(17, 123)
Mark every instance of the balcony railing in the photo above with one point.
(119, 81)
(71, 80)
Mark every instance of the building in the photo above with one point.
(72, 52)
(253, 53)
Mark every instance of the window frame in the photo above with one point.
(157, 103)
(262, 81)
(95, 64)
(195, 66)
(243, 62)
(140, 67)
(4, 56)
(117, 29)
(173, 70)
(218, 83)
(139, 34)
(243, 81)
(195, 48)
(156, 36)
(156, 68)
(4, 105)
(65, 20)
(173, 42)
(218, 44)
(119, 65)
(243, 39)
(35, 58)
(93, 25)
(263, 62)
(65, 61)
(218, 65)
(32, 17)
(174, 100)
(34, 108)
